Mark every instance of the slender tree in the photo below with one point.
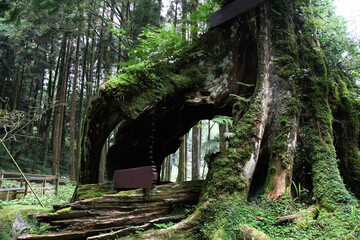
(196, 152)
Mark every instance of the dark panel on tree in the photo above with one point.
(141, 177)
(232, 10)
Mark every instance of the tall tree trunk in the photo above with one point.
(65, 100)
(224, 144)
(90, 80)
(72, 113)
(102, 164)
(3, 86)
(58, 114)
(16, 88)
(80, 108)
(194, 24)
(101, 51)
(196, 152)
(108, 50)
(39, 124)
(168, 167)
(181, 177)
(183, 17)
(51, 101)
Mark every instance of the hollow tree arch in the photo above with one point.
(287, 124)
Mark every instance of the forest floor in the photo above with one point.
(282, 219)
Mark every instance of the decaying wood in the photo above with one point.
(137, 208)
(294, 216)
(288, 218)
(126, 231)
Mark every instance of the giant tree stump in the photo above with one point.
(114, 212)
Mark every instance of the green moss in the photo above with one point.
(224, 175)
(7, 217)
(90, 191)
(140, 85)
(250, 233)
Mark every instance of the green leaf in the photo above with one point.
(237, 97)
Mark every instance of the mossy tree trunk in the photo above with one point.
(285, 125)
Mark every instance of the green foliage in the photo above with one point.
(164, 225)
(211, 146)
(156, 45)
(223, 120)
(239, 98)
(331, 31)
(49, 199)
(225, 218)
(204, 11)
(298, 190)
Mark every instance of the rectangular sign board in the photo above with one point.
(140, 177)
(232, 10)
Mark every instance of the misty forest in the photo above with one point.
(178, 119)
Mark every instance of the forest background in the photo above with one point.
(55, 55)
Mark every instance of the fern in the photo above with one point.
(211, 146)
(229, 135)
(237, 97)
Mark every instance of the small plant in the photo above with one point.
(287, 192)
(298, 191)
(319, 211)
(164, 225)
(237, 97)
(223, 120)
(353, 212)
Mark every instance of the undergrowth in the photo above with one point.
(49, 199)
(261, 214)
(28, 207)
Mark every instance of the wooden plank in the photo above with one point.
(141, 177)
(30, 175)
(232, 10)
(11, 189)
(1, 177)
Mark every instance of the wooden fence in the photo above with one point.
(23, 189)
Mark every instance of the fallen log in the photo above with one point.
(116, 212)
(126, 231)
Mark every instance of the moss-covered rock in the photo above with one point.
(9, 214)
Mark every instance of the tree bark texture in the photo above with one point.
(57, 125)
(182, 168)
(72, 114)
(196, 153)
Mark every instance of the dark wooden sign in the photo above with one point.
(232, 10)
(141, 177)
